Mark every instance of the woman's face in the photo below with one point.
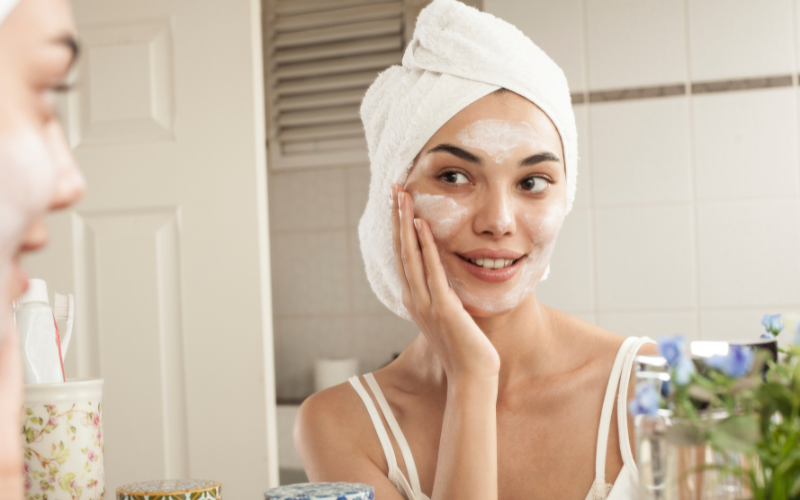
(37, 170)
(492, 185)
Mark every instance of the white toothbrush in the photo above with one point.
(64, 312)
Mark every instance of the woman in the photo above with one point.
(37, 174)
(500, 396)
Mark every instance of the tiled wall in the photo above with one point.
(323, 304)
(687, 217)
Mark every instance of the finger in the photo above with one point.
(398, 259)
(412, 257)
(434, 270)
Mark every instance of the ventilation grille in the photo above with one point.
(321, 57)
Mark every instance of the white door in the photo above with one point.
(168, 253)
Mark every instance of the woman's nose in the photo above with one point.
(70, 184)
(496, 217)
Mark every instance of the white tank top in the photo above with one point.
(626, 487)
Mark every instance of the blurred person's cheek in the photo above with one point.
(27, 183)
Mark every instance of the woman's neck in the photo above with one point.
(525, 338)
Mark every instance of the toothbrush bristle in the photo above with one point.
(62, 306)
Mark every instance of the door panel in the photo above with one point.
(168, 253)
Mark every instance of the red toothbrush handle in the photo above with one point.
(60, 356)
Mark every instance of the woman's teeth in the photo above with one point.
(492, 263)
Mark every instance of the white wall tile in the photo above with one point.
(364, 299)
(556, 27)
(309, 273)
(357, 194)
(745, 144)
(644, 258)
(570, 285)
(640, 151)
(635, 43)
(748, 253)
(745, 323)
(313, 199)
(740, 38)
(299, 341)
(582, 197)
(377, 338)
(651, 324)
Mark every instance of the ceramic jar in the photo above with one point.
(178, 489)
(62, 429)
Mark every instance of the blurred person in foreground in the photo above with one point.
(37, 174)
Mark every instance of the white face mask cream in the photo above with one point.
(442, 213)
(27, 182)
(497, 137)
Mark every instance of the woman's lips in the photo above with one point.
(491, 275)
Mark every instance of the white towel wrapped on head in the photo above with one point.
(6, 6)
(458, 55)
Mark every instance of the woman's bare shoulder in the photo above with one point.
(332, 424)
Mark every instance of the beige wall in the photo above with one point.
(687, 218)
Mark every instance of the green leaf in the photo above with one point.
(65, 480)
(738, 433)
(28, 411)
(795, 489)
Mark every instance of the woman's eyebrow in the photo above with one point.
(456, 151)
(539, 158)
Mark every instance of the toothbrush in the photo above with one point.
(58, 343)
(64, 311)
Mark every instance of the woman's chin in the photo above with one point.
(482, 303)
(17, 281)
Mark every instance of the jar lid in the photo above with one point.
(140, 491)
(321, 491)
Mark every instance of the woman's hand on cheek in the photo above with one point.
(461, 346)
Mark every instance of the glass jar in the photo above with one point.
(674, 459)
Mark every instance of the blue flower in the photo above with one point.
(736, 363)
(645, 402)
(773, 323)
(684, 370)
(671, 348)
(767, 335)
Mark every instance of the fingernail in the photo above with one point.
(417, 225)
(400, 197)
(393, 192)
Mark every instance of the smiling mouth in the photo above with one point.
(492, 263)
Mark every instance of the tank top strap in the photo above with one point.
(605, 414)
(395, 475)
(622, 403)
(411, 466)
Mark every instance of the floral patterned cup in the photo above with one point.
(62, 428)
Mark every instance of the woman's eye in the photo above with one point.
(454, 178)
(534, 184)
